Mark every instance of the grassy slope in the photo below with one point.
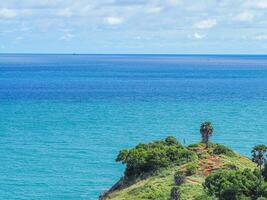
(159, 186)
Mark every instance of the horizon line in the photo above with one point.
(148, 54)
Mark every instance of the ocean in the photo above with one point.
(63, 118)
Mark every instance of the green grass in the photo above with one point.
(158, 186)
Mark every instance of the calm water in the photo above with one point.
(63, 118)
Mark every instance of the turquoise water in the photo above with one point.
(63, 118)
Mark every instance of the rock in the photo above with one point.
(116, 186)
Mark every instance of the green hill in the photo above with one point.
(142, 181)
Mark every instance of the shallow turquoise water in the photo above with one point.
(63, 118)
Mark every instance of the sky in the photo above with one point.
(134, 26)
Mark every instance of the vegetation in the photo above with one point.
(233, 184)
(191, 168)
(179, 178)
(175, 194)
(148, 158)
(258, 155)
(206, 131)
(166, 170)
(264, 171)
(221, 149)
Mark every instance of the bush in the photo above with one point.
(170, 140)
(198, 145)
(203, 197)
(191, 169)
(230, 194)
(245, 182)
(179, 178)
(230, 167)
(147, 158)
(203, 155)
(264, 171)
(175, 194)
(242, 197)
(221, 149)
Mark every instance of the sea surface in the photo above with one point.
(63, 118)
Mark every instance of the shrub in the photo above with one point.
(221, 149)
(203, 197)
(220, 183)
(230, 167)
(170, 140)
(191, 169)
(230, 194)
(242, 197)
(198, 145)
(179, 178)
(175, 194)
(203, 155)
(147, 158)
(264, 171)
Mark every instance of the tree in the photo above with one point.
(148, 158)
(206, 131)
(264, 171)
(258, 155)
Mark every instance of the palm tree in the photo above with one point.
(258, 155)
(206, 131)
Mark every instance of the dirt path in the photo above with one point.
(210, 164)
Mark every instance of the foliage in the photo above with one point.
(264, 171)
(179, 178)
(191, 169)
(158, 186)
(170, 140)
(203, 197)
(230, 167)
(258, 154)
(226, 183)
(197, 145)
(230, 194)
(175, 194)
(147, 158)
(262, 198)
(206, 130)
(221, 149)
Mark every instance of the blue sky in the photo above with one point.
(134, 26)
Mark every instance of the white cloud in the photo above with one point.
(154, 10)
(173, 2)
(114, 20)
(261, 4)
(198, 36)
(206, 24)
(19, 38)
(67, 37)
(65, 13)
(245, 16)
(261, 37)
(7, 13)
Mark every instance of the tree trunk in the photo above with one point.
(206, 141)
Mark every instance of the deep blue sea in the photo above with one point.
(63, 118)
